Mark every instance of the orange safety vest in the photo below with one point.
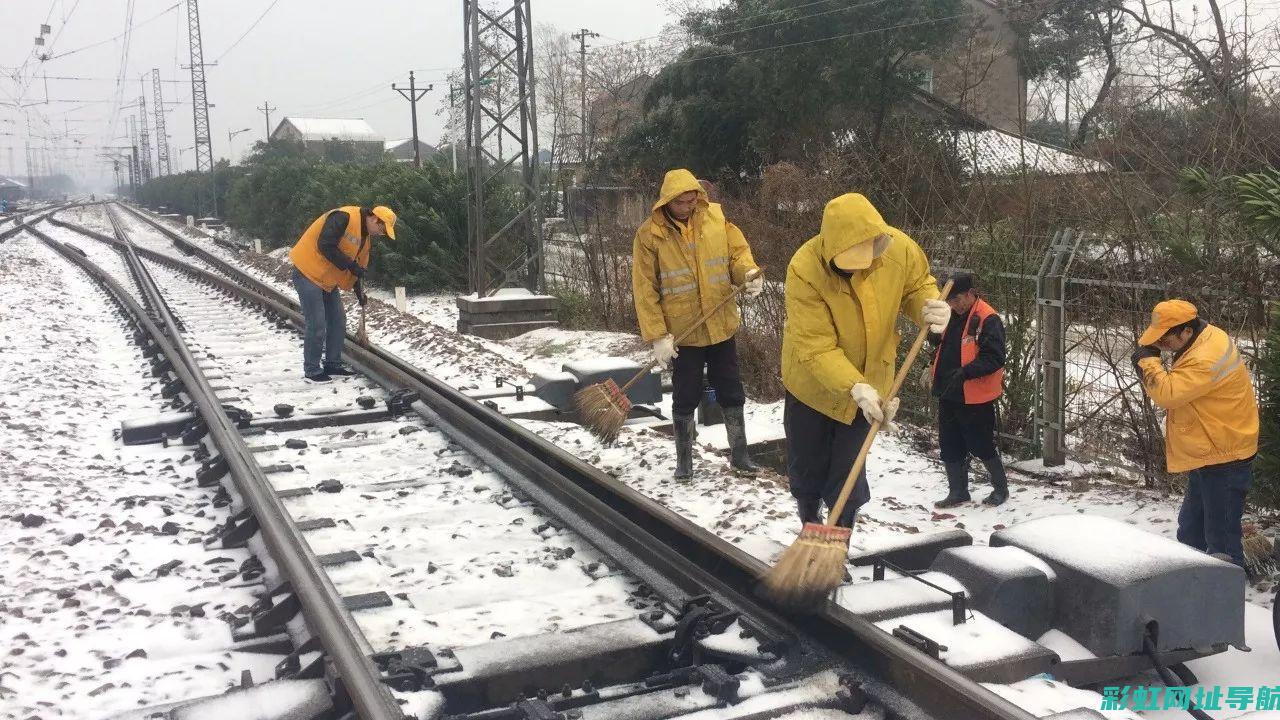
(988, 387)
(316, 267)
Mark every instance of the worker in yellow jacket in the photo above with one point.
(332, 256)
(845, 289)
(686, 258)
(1211, 422)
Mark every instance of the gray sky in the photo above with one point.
(316, 58)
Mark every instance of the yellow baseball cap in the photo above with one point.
(388, 216)
(1166, 316)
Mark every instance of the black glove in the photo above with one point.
(1143, 352)
(356, 270)
(360, 294)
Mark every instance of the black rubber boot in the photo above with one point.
(810, 510)
(999, 483)
(735, 427)
(685, 433)
(958, 484)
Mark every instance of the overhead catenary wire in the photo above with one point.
(113, 38)
(246, 32)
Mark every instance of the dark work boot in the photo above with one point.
(685, 433)
(999, 483)
(735, 427)
(957, 483)
(810, 509)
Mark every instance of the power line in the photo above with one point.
(97, 79)
(113, 38)
(246, 32)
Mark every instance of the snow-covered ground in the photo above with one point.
(108, 599)
(758, 515)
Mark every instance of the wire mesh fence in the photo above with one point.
(1103, 302)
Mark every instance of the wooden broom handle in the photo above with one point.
(861, 460)
(737, 290)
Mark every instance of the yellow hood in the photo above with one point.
(847, 221)
(676, 183)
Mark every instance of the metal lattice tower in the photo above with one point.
(144, 138)
(199, 99)
(162, 138)
(499, 57)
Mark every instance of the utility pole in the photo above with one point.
(581, 36)
(135, 168)
(162, 139)
(413, 94)
(267, 110)
(200, 104)
(145, 137)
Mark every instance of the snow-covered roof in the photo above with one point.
(10, 182)
(320, 129)
(995, 152)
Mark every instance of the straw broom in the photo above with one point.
(1258, 551)
(604, 407)
(813, 566)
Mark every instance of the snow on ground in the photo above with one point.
(109, 599)
(758, 515)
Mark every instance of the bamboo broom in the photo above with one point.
(604, 407)
(813, 566)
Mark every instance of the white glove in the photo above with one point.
(868, 402)
(890, 412)
(753, 287)
(664, 348)
(936, 314)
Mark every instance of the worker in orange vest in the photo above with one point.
(331, 256)
(967, 377)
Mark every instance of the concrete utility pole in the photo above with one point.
(581, 36)
(413, 94)
(267, 110)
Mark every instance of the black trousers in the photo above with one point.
(721, 364)
(965, 430)
(820, 453)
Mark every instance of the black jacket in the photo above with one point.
(335, 226)
(991, 353)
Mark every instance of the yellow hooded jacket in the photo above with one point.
(681, 270)
(1208, 395)
(842, 331)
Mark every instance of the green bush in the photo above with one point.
(1266, 488)
(281, 189)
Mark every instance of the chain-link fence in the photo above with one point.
(1072, 309)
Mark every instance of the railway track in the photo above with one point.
(428, 556)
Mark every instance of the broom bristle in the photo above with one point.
(810, 569)
(602, 409)
(1258, 553)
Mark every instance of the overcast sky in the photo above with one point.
(315, 58)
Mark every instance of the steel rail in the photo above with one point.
(321, 604)
(691, 551)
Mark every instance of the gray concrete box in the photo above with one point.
(1112, 578)
(555, 388)
(648, 391)
(1008, 584)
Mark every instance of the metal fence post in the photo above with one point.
(1051, 306)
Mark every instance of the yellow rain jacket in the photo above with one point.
(1208, 395)
(681, 270)
(842, 331)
